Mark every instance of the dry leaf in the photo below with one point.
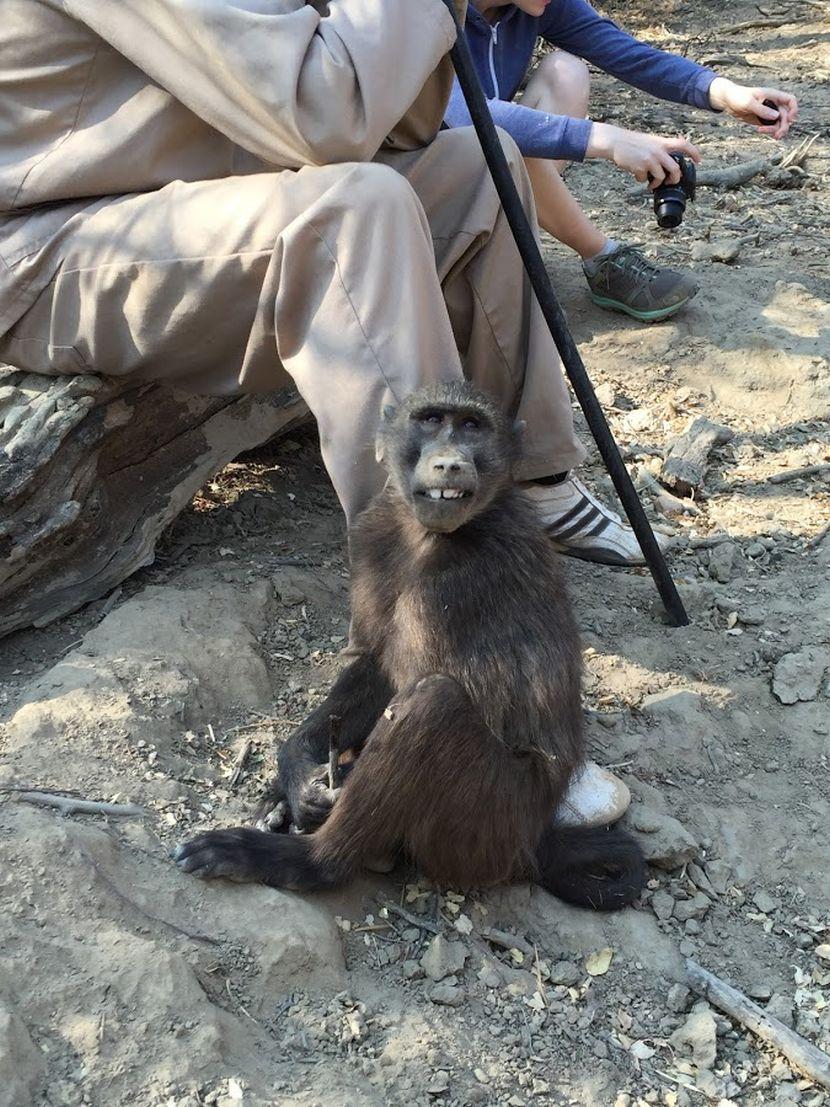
(597, 964)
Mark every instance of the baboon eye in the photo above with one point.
(471, 424)
(429, 417)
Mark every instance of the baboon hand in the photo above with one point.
(316, 800)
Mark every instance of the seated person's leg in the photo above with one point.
(505, 343)
(619, 276)
(326, 275)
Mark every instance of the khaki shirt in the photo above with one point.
(105, 97)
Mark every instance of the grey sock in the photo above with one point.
(590, 264)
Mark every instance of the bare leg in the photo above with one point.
(560, 86)
(559, 213)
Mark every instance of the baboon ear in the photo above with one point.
(389, 412)
(519, 427)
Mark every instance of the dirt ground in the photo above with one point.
(124, 982)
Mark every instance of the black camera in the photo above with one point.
(670, 199)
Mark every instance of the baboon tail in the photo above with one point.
(598, 867)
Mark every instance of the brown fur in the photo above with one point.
(464, 699)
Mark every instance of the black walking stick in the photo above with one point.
(571, 359)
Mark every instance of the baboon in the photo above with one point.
(461, 708)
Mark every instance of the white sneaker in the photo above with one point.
(595, 797)
(581, 526)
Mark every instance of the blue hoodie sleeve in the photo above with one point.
(537, 134)
(576, 27)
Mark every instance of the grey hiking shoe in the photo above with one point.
(626, 281)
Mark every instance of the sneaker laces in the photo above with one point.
(629, 259)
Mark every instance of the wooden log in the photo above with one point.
(93, 469)
(687, 457)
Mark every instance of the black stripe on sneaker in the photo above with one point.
(568, 517)
(599, 528)
(580, 525)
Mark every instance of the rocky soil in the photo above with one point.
(124, 982)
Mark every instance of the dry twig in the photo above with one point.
(239, 764)
(810, 1060)
(797, 474)
(70, 805)
(416, 920)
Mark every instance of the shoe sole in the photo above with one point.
(599, 557)
(653, 316)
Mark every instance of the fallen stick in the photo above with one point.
(507, 941)
(416, 920)
(797, 474)
(334, 751)
(810, 1060)
(752, 24)
(732, 176)
(817, 539)
(239, 764)
(69, 805)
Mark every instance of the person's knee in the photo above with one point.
(565, 76)
(374, 187)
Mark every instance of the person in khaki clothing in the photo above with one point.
(223, 192)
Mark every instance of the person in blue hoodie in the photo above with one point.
(551, 129)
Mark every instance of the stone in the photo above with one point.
(765, 903)
(21, 1062)
(411, 970)
(781, 1007)
(759, 992)
(490, 977)
(698, 875)
(442, 958)
(797, 676)
(662, 904)
(439, 1083)
(697, 1037)
(677, 998)
(565, 973)
(665, 842)
(724, 250)
(722, 562)
(720, 875)
(694, 908)
(674, 703)
(446, 995)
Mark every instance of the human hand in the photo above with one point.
(647, 157)
(747, 104)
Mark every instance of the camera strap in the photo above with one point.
(571, 359)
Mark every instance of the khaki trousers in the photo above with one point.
(361, 281)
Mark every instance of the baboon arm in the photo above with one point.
(356, 701)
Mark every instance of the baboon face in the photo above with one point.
(448, 451)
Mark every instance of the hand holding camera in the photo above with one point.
(647, 157)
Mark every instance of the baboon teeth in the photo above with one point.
(444, 493)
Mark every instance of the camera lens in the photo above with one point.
(669, 207)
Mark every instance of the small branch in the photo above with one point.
(797, 474)
(69, 805)
(817, 539)
(239, 764)
(810, 1060)
(507, 941)
(752, 24)
(416, 920)
(334, 751)
(732, 176)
